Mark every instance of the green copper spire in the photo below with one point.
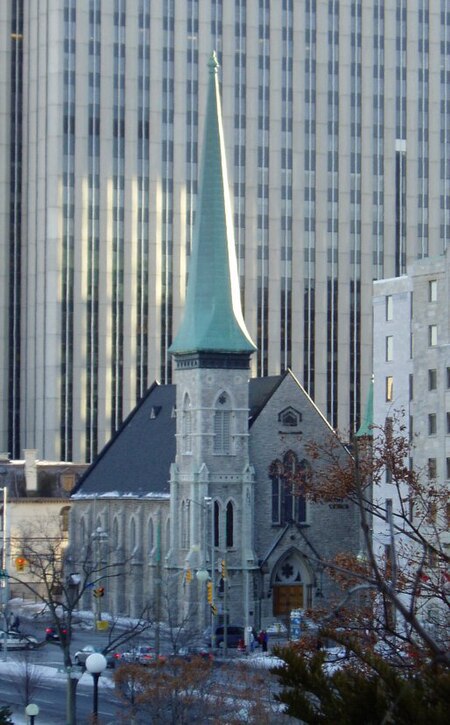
(366, 427)
(212, 320)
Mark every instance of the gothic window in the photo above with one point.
(290, 418)
(133, 539)
(187, 425)
(64, 515)
(222, 420)
(288, 503)
(229, 525)
(151, 535)
(184, 524)
(115, 534)
(216, 523)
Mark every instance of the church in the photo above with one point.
(200, 489)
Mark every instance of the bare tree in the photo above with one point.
(394, 587)
(60, 592)
(26, 677)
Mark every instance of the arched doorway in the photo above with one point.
(291, 585)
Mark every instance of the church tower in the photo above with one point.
(212, 480)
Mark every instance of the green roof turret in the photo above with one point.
(212, 319)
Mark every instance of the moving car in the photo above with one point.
(52, 634)
(235, 636)
(81, 656)
(141, 655)
(191, 651)
(17, 640)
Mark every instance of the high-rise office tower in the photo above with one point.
(337, 130)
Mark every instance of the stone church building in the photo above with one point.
(196, 488)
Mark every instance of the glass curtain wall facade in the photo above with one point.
(336, 117)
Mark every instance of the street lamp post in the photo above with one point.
(95, 664)
(203, 575)
(4, 580)
(31, 711)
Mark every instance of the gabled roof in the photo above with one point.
(212, 319)
(136, 461)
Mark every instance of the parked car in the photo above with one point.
(141, 655)
(81, 656)
(52, 634)
(17, 640)
(235, 636)
(192, 651)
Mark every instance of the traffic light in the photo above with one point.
(188, 576)
(209, 590)
(99, 592)
(20, 563)
(224, 569)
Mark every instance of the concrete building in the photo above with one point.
(336, 116)
(203, 482)
(412, 374)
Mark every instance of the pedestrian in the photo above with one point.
(16, 623)
(263, 638)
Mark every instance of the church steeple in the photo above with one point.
(213, 320)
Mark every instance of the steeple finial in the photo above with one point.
(213, 320)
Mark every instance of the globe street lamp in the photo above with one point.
(95, 664)
(31, 711)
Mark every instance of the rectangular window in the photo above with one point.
(276, 500)
(411, 386)
(432, 290)
(432, 379)
(432, 468)
(389, 307)
(389, 388)
(431, 424)
(447, 460)
(448, 423)
(389, 348)
(448, 377)
(432, 335)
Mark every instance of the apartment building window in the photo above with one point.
(432, 290)
(432, 335)
(389, 307)
(431, 424)
(447, 460)
(448, 423)
(432, 468)
(389, 348)
(432, 379)
(411, 386)
(448, 377)
(389, 388)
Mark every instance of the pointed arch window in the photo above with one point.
(222, 422)
(150, 535)
(133, 538)
(115, 534)
(216, 523)
(184, 525)
(187, 425)
(288, 502)
(229, 525)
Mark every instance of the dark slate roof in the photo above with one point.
(136, 461)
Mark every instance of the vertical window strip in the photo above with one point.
(167, 190)
(67, 306)
(423, 121)
(93, 240)
(240, 111)
(191, 121)
(445, 126)
(333, 209)
(143, 136)
(118, 214)
(263, 187)
(378, 136)
(310, 197)
(15, 233)
(286, 189)
(355, 228)
(400, 151)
